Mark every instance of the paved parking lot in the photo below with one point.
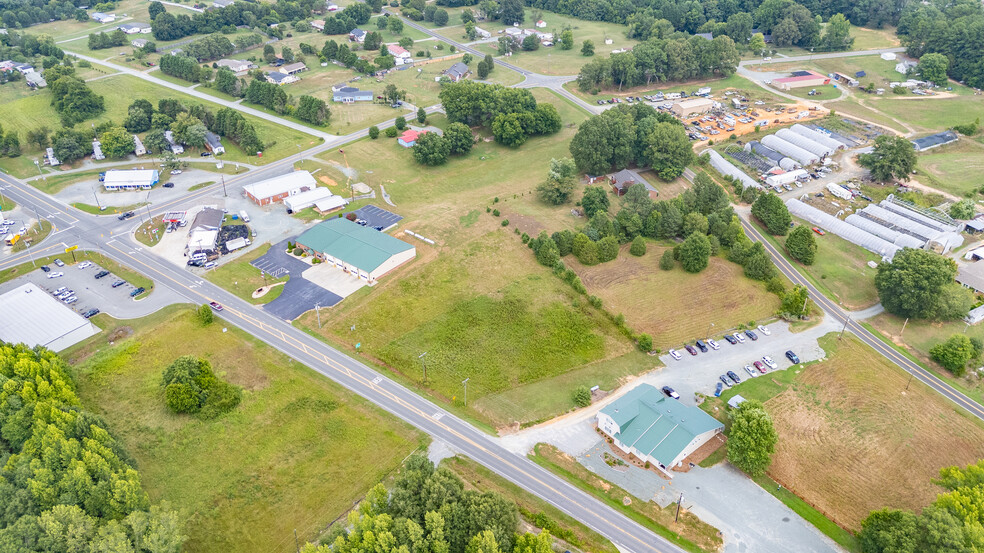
(378, 217)
(299, 295)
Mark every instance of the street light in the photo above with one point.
(424, 363)
(708, 333)
(317, 309)
(465, 384)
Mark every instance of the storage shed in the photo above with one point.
(306, 199)
(790, 150)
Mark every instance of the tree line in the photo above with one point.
(67, 484)
(658, 60)
(71, 97)
(19, 15)
(351, 17)
(167, 26)
(111, 39)
(632, 134)
(954, 29)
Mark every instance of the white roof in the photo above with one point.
(130, 176)
(31, 316)
(235, 244)
(201, 238)
(305, 199)
(281, 184)
(329, 203)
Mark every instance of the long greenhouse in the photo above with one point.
(793, 151)
(816, 136)
(845, 230)
(725, 167)
(809, 145)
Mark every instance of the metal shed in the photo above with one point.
(846, 231)
(811, 146)
(793, 151)
(816, 136)
(895, 237)
(725, 167)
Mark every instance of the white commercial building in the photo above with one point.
(306, 199)
(31, 316)
(132, 179)
(785, 178)
(276, 189)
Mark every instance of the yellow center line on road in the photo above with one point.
(31, 191)
(396, 400)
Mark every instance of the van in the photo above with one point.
(211, 265)
(198, 256)
(244, 216)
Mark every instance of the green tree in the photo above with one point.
(154, 9)
(666, 261)
(483, 69)
(802, 245)
(205, 315)
(607, 249)
(373, 132)
(953, 354)
(511, 11)
(644, 342)
(546, 251)
(964, 209)
(933, 67)
(400, 123)
(531, 42)
(668, 150)
(459, 138)
(441, 17)
(395, 25)
(837, 34)
(587, 48)
(117, 142)
(638, 247)
(431, 149)
(421, 116)
(560, 183)
(889, 531)
(757, 43)
(920, 284)
(794, 302)
(752, 439)
(694, 222)
(585, 250)
(581, 396)
(137, 121)
(39, 137)
(567, 39)
(595, 200)
(313, 110)
(772, 212)
(891, 157)
(695, 253)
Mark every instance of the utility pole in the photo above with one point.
(806, 299)
(224, 193)
(679, 502)
(317, 309)
(424, 363)
(97, 199)
(465, 383)
(846, 321)
(708, 333)
(911, 374)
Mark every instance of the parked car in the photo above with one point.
(751, 334)
(59, 262)
(85, 265)
(59, 291)
(690, 349)
(101, 274)
(764, 330)
(718, 389)
(45, 268)
(713, 344)
(724, 378)
(168, 185)
(56, 274)
(819, 231)
(205, 154)
(675, 354)
(701, 346)
(119, 283)
(64, 293)
(750, 370)
(731, 339)
(136, 292)
(739, 337)
(792, 357)
(734, 377)
(71, 300)
(670, 392)
(768, 361)
(761, 368)
(215, 306)
(90, 313)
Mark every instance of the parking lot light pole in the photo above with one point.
(465, 384)
(708, 333)
(424, 363)
(317, 309)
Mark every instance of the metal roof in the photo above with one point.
(900, 223)
(359, 246)
(893, 236)
(929, 217)
(31, 316)
(295, 180)
(656, 425)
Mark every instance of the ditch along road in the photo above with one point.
(833, 310)
(98, 233)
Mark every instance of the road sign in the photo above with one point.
(71, 249)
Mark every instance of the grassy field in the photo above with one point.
(636, 287)
(954, 168)
(28, 113)
(242, 279)
(482, 479)
(296, 454)
(824, 92)
(852, 410)
(105, 210)
(718, 87)
(927, 113)
(871, 39)
(690, 533)
(35, 235)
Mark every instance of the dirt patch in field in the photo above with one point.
(328, 180)
(853, 439)
(653, 300)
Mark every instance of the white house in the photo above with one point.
(138, 148)
(97, 153)
(541, 24)
(135, 28)
(175, 147)
(103, 17)
(236, 66)
(656, 429)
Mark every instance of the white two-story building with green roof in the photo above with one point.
(654, 428)
(362, 251)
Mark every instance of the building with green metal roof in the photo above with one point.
(362, 251)
(654, 428)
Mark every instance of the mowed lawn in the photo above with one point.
(242, 279)
(295, 454)
(930, 114)
(954, 168)
(676, 306)
(850, 432)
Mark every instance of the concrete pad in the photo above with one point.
(333, 279)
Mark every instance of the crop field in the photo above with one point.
(296, 453)
(652, 299)
(954, 168)
(849, 430)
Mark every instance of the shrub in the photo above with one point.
(298, 252)
(205, 315)
(505, 222)
(581, 396)
(638, 247)
(954, 353)
(391, 132)
(645, 343)
(374, 132)
(495, 212)
(802, 245)
(666, 262)
(595, 302)
(695, 253)
(190, 386)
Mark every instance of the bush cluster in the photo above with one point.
(190, 386)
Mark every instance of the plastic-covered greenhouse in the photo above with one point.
(846, 231)
(939, 221)
(805, 143)
(793, 151)
(757, 147)
(725, 167)
(816, 136)
(893, 236)
(900, 223)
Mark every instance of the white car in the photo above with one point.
(751, 372)
(759, 103)
(739, 337)
(176, 172)
(84, 265)
(768, 361)
(675, 354)
(764, 330)
(713, 344)
(56, 275)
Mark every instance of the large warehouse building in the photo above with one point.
(687, 108)
(29, 315)
(359, 250)
(276, 189)
(132, 179)
(801, 79)
(656, 429)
